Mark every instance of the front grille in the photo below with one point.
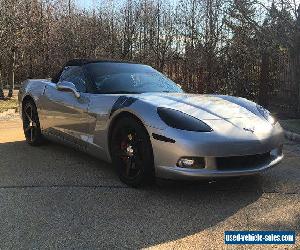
(242, 162)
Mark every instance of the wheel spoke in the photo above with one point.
(138, 160)
(133, 165)
(123, 134)
(121, 153)
(128, 166)
(27, 129)
(28, 116)
(31, 134)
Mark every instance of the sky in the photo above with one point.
(85, 4)
(88, 4)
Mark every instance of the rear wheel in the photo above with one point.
(131, 152)
(31, 124)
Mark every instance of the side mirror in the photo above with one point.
(67, 86)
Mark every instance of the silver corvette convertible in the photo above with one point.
(138, 119)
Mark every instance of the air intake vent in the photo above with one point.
(243, 162)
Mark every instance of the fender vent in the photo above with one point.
(162, 138)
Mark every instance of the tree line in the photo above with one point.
(248, 48)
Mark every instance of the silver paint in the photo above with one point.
(84, 122)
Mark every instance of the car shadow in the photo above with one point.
(90, 208)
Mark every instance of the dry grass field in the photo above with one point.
(8, 104)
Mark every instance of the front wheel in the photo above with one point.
(31, 124)
(131, 152)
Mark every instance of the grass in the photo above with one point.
(8, 104)
(292, 125)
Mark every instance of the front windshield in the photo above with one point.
(116, 78)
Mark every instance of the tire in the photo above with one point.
(131, 153)
(31, 124)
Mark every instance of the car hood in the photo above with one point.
(220, 112)
(205, 107)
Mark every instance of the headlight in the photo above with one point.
(266, 114)
(180, 120)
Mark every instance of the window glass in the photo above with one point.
(75, 75)
(129, 78)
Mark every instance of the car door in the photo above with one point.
(65, 114)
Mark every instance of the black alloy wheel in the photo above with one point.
(31, 124)
(131, 152)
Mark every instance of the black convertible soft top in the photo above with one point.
(81, 62)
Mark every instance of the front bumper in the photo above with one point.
(213, 146)
(211, 171)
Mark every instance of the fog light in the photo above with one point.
(185, 162)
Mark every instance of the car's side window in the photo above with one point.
(75, 75)
(65, 74)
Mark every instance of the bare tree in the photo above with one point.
(243, 47)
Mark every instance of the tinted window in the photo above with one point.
(75, 75)
(128, 78)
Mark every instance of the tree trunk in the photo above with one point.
(1, 93)
(1, 87)
(11, 75)
(263, 98)
(209, 68)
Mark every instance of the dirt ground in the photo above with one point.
(54, 197)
